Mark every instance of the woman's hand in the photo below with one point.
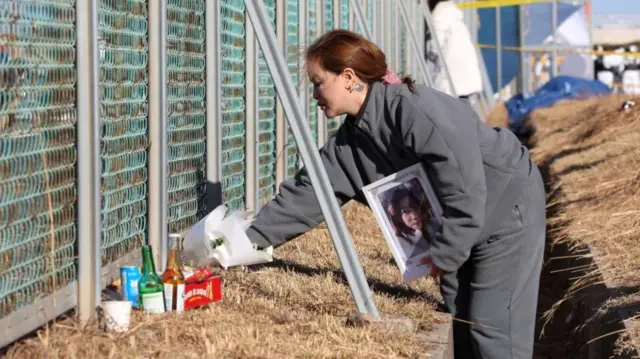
(435, 271)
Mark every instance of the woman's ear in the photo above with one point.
(349, 75)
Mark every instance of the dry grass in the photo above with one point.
(592, 151)
(294, 307)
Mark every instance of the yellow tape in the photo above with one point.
(498, 3)
(559, 51)
(621, 85)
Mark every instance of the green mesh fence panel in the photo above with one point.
(233, 104)
(312, 19)
(187, 118)
(344, 15)
(328, 18)
(293, 60)
(124, 122)
(37, 150)
(266, 122)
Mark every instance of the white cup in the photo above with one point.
(117, 315)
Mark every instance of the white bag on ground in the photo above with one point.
(223, 240)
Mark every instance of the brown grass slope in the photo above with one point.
(592, 150)
(292, 308)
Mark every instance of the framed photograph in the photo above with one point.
(409, 214)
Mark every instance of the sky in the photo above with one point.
(616, 6)
(627, 11)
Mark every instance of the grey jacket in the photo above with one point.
(468, 163)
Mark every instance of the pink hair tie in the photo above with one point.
(391, 78)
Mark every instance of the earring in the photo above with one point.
(358, 87)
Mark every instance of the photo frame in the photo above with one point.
(409, 215)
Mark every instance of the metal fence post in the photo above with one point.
(422, 28)
(251, 124)
(499, 51)
(89, 163)
(326, 198)
(303, 41)
(322, 126)
(554, 29)
(524, 70)
(407, 58)
(589, 4)
(158, 175)
(397, 56)
(213, 74)
(414, 42)
(281, 123)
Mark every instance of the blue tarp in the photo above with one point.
(557, 89)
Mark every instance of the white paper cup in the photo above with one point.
(117, 315)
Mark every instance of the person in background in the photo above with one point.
(458, 51)
(488, 250)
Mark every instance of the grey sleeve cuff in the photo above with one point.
(256, 238)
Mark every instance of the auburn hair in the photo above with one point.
(340, 49)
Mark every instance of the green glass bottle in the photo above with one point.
(150, 286)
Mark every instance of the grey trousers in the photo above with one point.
(497, 288)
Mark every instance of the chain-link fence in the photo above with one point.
(37, 153)
(40, 167)
(186, 125)
(124, 126)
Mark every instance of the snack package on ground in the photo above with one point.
(195, 275)
(217, 238)
(202, 292)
